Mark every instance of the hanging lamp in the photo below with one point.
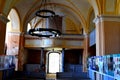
(54, 22)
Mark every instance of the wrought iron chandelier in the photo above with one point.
(52, 30)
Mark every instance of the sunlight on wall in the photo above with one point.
(8, 28)
(28, 27)
(54, 62)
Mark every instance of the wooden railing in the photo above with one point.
(76, 41)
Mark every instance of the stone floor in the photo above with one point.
(46, 79)
(49, 77)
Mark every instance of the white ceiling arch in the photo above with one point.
(79, 8)
(61, 9)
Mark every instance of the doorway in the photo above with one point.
(54, 62)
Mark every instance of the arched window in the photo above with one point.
(12, 35)
(54, 62)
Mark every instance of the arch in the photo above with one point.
(76, 13)
(53, 57)
(91, 17)
(14, 25)
(13, 29)
(68, 22)
(96, 6)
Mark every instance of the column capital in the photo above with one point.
(106, 18)
(3, 18)
(86, 35)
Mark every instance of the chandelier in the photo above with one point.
(54, 26)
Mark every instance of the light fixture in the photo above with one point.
(54, 22)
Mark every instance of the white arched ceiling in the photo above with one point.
(77, 8)
(105, 7)
(23, 7)
(6, 6)
(59, 11)
(95, 6)
(81, 7)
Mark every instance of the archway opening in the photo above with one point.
(13, 35)
(54, 62)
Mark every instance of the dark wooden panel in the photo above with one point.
(73, 56)
(34, 56)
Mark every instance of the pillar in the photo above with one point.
(3, 22)
(42, 56)
(63, 52)
(22, 52)
(42, 59)
(85, 52)
(107, 35)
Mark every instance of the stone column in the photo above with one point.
(63, 52)
(3, 22)
(85, 53)
(107, 35)
(22, 55)
(42, 59)
(42, 56)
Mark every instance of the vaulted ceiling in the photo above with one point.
(79, 11)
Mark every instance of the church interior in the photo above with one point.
(60, 39)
